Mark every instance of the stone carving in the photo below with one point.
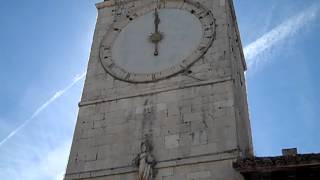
(276, 162)
(145, 162)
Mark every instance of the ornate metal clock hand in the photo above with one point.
(156, 20)
(156, 37)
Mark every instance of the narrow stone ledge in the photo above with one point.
(183, 161)
(146, 93)
(104, 4)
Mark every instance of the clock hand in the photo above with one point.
(156, 23)
(156, 52)
(156, 37)
(156, 20)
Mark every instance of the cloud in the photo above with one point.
(287, 29)
(42, 107)
(51, 165)
(54, 164)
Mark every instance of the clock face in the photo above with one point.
(152, 43)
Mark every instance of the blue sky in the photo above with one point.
(44, 49)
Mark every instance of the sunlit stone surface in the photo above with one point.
(196, 122)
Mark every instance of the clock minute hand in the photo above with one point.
(156, 29)
(156, 20)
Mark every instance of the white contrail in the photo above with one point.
(279, 33)
(42, 107)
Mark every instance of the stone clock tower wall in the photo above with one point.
(196, 122)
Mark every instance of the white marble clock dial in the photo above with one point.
(151, 44)
(134, 52)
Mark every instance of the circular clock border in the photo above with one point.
(204, 15)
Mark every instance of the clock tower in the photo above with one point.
(164, 96)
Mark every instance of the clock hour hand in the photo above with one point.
(156, 53)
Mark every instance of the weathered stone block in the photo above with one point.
(172, 141)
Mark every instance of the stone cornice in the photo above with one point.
(262, 164)
(149, 92)
(204, 158)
